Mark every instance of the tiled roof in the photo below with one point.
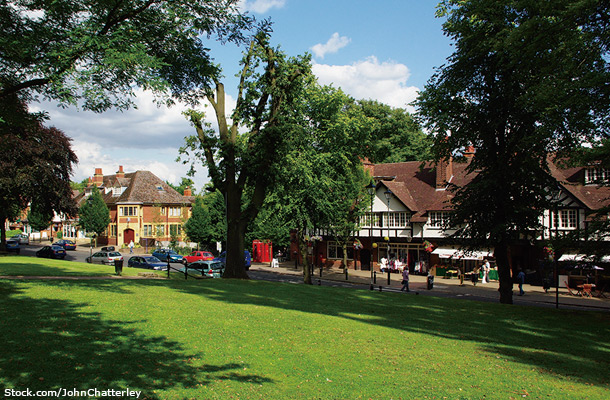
(141, 187)
(414, 184)
(572, 179)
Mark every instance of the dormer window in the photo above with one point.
(117, 191)
(596, 176)
(160, 188)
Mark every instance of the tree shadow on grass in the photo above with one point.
(50, 344)
(560, 342)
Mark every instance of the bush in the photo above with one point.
(13, 232)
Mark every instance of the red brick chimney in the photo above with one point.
(444, 173)
(368, 165)
(98, 178)
(187, 191)
(120, 173)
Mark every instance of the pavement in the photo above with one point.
(443, 287)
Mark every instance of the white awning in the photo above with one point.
(461, 255)
(582, 258)
(444, 253)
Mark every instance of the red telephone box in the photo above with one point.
(262, 251)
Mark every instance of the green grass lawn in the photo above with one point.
(215, 338)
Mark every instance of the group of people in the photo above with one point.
(394, 265)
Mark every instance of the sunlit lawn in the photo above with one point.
(223, 339)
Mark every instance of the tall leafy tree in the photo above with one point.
(322, 179)
(39, 219)
(270, 82)
(396, 136)
(94, 215)
(527, 78)
(35, 166)
(95, 52)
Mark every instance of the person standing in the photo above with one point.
(405, 279)
(486, 269)
(131, 246)
(521, 280)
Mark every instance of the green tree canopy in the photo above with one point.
(395, 136)
(95, 52)
(94, 215)
(527, 78)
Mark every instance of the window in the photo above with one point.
(117, 191)
(336, 251)
(565, 219)
(437, 219)
(175, 211)
(160, 230)
(175, 230)
(112, 230)
(147, 231)
(128, 211)
(365, 220)
(596, 175)
(398, 219)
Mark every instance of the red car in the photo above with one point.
(197, 256)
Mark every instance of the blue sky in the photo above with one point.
(384, 50)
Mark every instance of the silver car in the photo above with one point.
(22, 238)
(105, 257)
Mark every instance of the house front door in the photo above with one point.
(129, 235)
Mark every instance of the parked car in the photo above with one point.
(196, 256)
(13, 245)
(52, 251)
(22, 238)
(165, 254)
(66, 244)
(247, 258)
(206, 268)
(105, 257)
(149, 262)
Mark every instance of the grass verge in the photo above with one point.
(217, 338)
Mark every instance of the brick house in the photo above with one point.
(143, 208)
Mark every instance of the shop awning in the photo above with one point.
(444, 253)
(581, 258)
(461, 255)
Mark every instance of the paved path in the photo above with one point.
(534, 295)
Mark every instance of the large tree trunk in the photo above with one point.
(306, 268)
(2, 233)
(236, 231)
(504, 273)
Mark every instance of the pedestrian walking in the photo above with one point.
(405, 279)
(521, 280)
(475, 277)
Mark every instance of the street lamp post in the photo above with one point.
(371, 188)
(388, 196)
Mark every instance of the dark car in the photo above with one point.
(13, 245)
(149, 262)
(52, 252)
(247, 258)
(165, 254)
(205, 268)
(66, 244)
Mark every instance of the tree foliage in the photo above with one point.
(527, 78)
(207, 224)
(95, 52)
(395, 135)
(35, 166)
(94, 215)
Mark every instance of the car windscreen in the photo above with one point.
(114, 254)
(151, 259)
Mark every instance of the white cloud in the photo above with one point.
(260, 6)
(333, 45)
(385, 82)
(146, 138)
